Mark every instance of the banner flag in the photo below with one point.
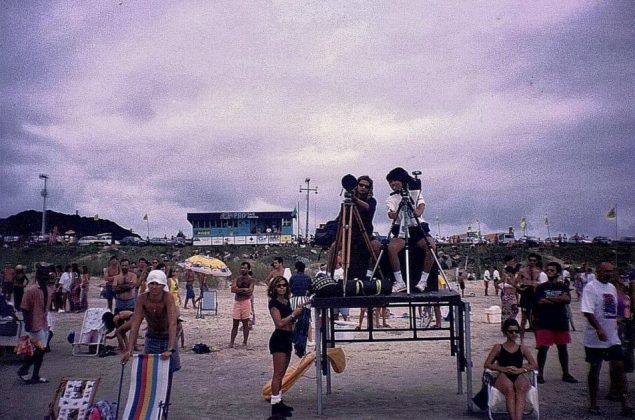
(145, 217)
(523, 224)
(612, 214)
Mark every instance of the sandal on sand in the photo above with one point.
(595, 411)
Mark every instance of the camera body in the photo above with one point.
(349, 182)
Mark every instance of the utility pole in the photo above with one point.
(308, 190)
(44, 193)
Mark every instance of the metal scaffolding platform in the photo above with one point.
(457, 334)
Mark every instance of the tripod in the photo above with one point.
(344, 239)
(405, 211)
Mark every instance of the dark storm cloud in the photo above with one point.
(170, 109)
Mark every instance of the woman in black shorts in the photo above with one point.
(507, 359)
(280, 342)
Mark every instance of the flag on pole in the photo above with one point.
(145, 217)
(523, 224)
(546, 221)
(612, 214)
(294, 213)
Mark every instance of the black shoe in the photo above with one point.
(279, 410)
(286, 407)
(570, 379)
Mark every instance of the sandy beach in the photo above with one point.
(401, 380)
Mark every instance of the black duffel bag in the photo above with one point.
(354, 287)
(326, 236)
(325, 286)
(8, 329)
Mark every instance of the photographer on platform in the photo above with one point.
(362, 197)
(403, 186)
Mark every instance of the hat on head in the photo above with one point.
(19, 267)
(158, 276)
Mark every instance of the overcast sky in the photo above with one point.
(510, 109)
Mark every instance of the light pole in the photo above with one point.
(44, 193)
(308, 190)
(438, 227)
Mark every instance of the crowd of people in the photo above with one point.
(142, 290)
(543, 297)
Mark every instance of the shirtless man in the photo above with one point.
(189, 287)
(277, 269)
(159, 310)
(243, 288)
(528, 280)
(124, 285)
(109, 274)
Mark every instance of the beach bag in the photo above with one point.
(8, 329)
(201, 348)
(6, 309)
(481, 399)
(325, 286)
(326, 235)
(24, 347)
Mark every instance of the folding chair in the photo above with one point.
(149, 393)
(496, 399)
(92, 335)
(208, 303)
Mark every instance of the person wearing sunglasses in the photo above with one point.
(280, 343)
(552, 322)
(508, 359)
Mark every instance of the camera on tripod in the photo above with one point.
(349, 182)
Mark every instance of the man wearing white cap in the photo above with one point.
(157, 307)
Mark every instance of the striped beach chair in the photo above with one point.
(149, 393)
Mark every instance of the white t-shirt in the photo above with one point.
(542, 278)
(487, 276)
(496, 275)
(66, 280)
(338, 273)
(600, 299)
(392, 204)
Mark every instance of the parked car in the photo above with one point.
(529, 240)
(89, 240)
(602, 240)
(627, 240)
(132, 240)
(159, 241)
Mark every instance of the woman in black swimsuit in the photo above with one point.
(280, 342)
(507, 358)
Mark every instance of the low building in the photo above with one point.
(242, 228)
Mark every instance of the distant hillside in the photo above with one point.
(30, 221)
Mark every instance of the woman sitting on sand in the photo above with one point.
(280, 344)
(507, 358)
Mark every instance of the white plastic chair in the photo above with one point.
(496, 400)
(93, 333)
